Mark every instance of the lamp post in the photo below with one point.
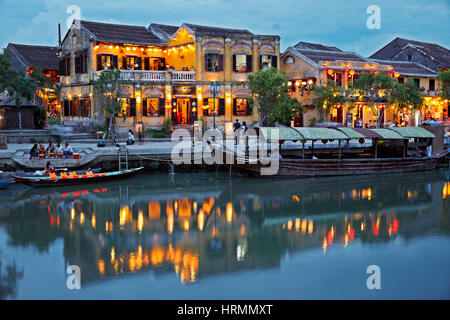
(214, 87)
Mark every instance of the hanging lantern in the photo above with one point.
(205, 107)
(352, 72)
(324, 141)
(396, 75)
(330, 72)
(303, 141)
(361, 140)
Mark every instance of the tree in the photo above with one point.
(110, 85)
(15, 83)
(407, 95)
(326, 97)
(269, 92)
(444, 84)
(373, 89)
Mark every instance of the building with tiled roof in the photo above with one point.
(166, 70)
(431, 55)
(23, 57)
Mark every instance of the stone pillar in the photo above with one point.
(199, 101)
(228, 63)
(199, 59)
(228, 103)
(255, 58)
(138, 97)
(168, 95)
(277, 52)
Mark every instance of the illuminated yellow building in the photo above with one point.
(166, 71)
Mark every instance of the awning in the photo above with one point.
(284, 133)
(387, 134)
(351, 133)
(413, 132)
(320, 133)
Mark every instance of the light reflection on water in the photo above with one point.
(196, 227)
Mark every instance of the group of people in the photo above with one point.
(52, 151)
(237, 125)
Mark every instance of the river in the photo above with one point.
(204, 236)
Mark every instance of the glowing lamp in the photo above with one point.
(303, 83)
(310, 81)
(128, 48)
(297, 83)
(330, 72)
(110, 47)
(289, 83)
(396, 75)
(352, 72)
(134, 48)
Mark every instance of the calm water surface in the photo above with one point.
(196, 236)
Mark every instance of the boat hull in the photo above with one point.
(297, 168)
(47, 182)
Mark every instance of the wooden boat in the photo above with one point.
(76, 179)
(297, 168)
(342, 166)
(5, 184)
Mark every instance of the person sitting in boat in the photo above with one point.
(34, 152)
(67, 151)
(48, 169)
(131, 138)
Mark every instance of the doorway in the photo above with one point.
(181, 114)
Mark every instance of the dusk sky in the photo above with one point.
(331, 22)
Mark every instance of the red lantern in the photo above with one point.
(330, 72)
(361, 140)
(324, 141)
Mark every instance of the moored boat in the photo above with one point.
(73, 179)
(393, 150)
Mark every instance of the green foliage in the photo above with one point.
(55, 121)
(156, 133)
(326, 97)
(109, 85)
(168, 125)
(40, 117)
(406, 95)
(373, 89)
(444, 84)
(269, 90)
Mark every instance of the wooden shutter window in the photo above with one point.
(161, 107)
(146, 63)
(99, 62)
(248, 67)
(206, 62)
(115, 62)
(234, 62)
(220, 62)
(234, 106)
(77, 64)
(62, 66)
(260, 62)
(221, 111)
(249, 110)
(144, 107)
(274, 61)
(139, 63)
(132, 107)
(124, 63)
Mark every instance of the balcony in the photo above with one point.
(153, 76)
(181, 76)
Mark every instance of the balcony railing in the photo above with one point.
(150, 76)
(183, 75)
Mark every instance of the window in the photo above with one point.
(150, 107)
(132, 63)
(417, 82)
(210, 102)
(431, 85)
(269, 61)
(213, 62)
(409, 57)
(77, 107)
(81, 63)
(107, 61)
(64, 66)
(241, 107)
(242, 63)
(289, 60)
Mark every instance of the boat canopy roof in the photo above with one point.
(342, 133)
(414, 132)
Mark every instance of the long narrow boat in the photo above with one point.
(76, 179)
(336, 165)
(298, 168)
